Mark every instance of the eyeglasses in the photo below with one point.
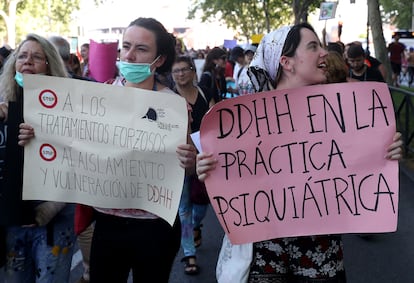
(37, 58)
(182, 70)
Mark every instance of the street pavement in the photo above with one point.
(386, 258)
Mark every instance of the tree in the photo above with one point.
(24, 16)
(301, 9)
(250, 17)
(10, 19)
(245, 17)
(375, 21)
(399, 12)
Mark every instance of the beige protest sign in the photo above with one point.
(103, 145)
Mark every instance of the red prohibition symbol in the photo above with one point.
(47, 152)
(48, 98)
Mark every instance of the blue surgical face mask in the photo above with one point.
(18, 77)
(135, 72)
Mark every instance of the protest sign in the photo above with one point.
(102, 60)
(103, 145)
(327, 10)
(305, 161)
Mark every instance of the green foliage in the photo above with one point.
(41, 16)
(51, 15)
(247, 17)
(301, 8)
(399, 12)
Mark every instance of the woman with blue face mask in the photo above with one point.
(33, 230)
(134, 239)
(146, 54)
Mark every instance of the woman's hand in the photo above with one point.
(186, 155)
(3, 111)
(26, 133)
(205, 163)
(394, 151)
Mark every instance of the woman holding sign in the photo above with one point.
(292, 57)
(134, 239)
(39, 234)
(193, 206)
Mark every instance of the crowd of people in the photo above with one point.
(38, 238)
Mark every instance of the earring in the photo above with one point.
(292, 70)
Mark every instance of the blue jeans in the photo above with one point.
(191, 216)
(30, 258)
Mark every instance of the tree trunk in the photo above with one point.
(10, 21)
(296, 11)
(265, 5)
(381, 52)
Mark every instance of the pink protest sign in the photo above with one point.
(306, 161)
(102, 60)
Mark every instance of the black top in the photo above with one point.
(216, 88)
(13, 210)
(199, 108)
(370, 74)
(374, 62)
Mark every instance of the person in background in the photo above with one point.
(237, 57)
(404, 78)
(373, 62)
(286, 58)
(135, 239)
(85, 60)
(229, 67)
(180, 48)
(5, 51)
(213, 78)
(243, 83)
(358, 69)
(337, 46)
(337, 69)
(200, 54)
(369, 60)
(39, 243)
(63, 48)
(75, 65)
(191, 214)
(396, 53)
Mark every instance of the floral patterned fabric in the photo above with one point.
(301, 259)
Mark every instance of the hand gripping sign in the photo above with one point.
(103, 145)
(304, 161)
